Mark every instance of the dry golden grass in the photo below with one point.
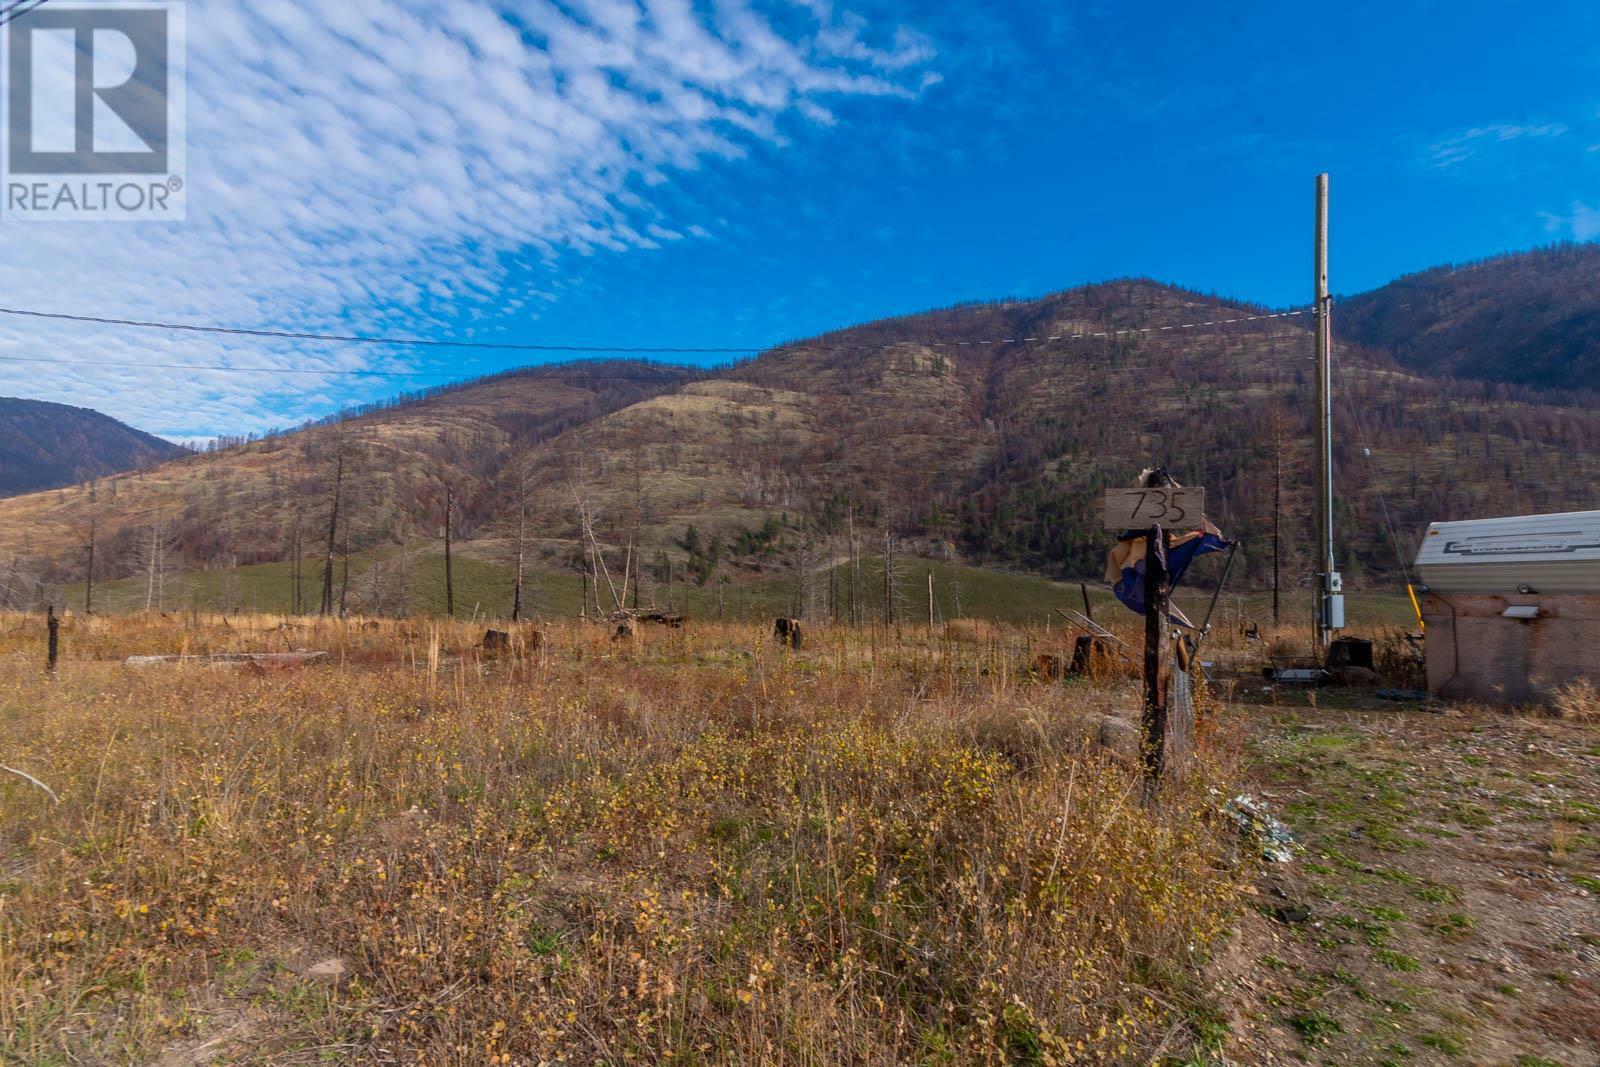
(1577, 701)
(692, 846)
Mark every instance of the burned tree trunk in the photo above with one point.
(449, 574)
(333, 530)
(522, 530)
(88, 588)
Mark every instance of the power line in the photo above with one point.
(1372, 466)
(504, 346)
(329, 372)
(365, 339)
(19, 9)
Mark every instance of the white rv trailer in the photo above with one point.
(1546, 553)
(1511, 605)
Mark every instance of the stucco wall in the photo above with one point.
(1475, 653)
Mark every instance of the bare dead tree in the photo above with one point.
(449, 573)
(888, 579)
(522, 533)
(88, 586)
(344, 584)
(155, 549)
(580, 496)
(296, 593)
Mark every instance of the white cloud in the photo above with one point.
(1583, 224)
(1460, 147)
(365, 163)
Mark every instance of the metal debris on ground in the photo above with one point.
(1254, 821)
(1404, 696)
(1309, 676)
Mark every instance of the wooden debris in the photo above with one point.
(233, 659)
(789, 632)
(1047, 667)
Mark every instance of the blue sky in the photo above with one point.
(734, 173)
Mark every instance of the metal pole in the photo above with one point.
(1205, 627)
(1277, 517)
(1329, 602)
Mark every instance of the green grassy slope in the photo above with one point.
(484, 590)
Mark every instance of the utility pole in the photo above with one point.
(1330, 585)
(1277, 514)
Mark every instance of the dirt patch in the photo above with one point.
(1447, 906)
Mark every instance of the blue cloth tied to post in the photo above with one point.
(1127, 565)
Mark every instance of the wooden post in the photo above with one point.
(449, 574)
(1088, 608)
(1156, 595)
(930, 598)
(55, 638)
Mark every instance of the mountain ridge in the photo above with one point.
(44, 445)
(1525, 318)
(992, 453)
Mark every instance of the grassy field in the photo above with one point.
(415, 584)
(692, 846)
(960, 592)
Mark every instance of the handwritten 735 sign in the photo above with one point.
(1174, 507)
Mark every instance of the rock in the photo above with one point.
(332, 968)
(1118, 736)
(1291, 914)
